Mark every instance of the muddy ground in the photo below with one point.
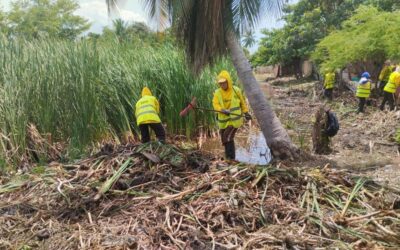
(365, 142)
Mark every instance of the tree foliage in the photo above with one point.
(306, 23)
(203, 25)
(129, 32)
(369, 35)
(248, 39)
(44, 18)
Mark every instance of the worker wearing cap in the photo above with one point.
(147, 110)
(329, 82)
(363, 91)
(230, 104)
(390, 89)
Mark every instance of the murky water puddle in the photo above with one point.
(251, 148)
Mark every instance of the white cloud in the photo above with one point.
(96, 12)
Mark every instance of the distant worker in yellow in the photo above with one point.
(363, 91)
(384, 76)
(147, 110)
(390, 89)
(329, 83)
(230, 103)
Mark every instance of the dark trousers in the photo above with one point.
(388, 97)
(361, 104)
(227, 139)
(156, 127)
(381, 87)
(328, 93)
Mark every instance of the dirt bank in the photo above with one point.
(365, 142)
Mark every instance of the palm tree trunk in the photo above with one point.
(276, 136)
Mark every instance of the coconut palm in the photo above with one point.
(120, 28)
(248, 39)
(210, 29)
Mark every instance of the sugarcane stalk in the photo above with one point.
(108, 184)
(357, 187)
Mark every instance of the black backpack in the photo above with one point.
(332, 125)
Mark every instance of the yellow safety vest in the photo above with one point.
(385, 73)
(393, 83)
(146, 111)
(364, 90)
(329, 80)
(230, 120)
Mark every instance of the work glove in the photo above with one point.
(247, 116)
(225, 111)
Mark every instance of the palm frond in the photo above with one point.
(159, 10)
(245, 14)
(202, 25)
(201, 28)
(112, 6)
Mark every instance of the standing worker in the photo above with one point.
(329, 82)
(363, 91)
(390, 89)
(384, 76)
(147, 110)
(230, 103)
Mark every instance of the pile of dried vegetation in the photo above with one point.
(160, 196)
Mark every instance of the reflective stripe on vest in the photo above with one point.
(146, 111)
(391, 85)
(364, 90)
(230, 120)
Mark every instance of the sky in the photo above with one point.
(95, 11)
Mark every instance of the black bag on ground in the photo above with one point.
(332, 125)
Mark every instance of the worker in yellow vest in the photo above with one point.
(147, 110)
(231, 105)
(384, 76)
(329, 82)
(363, 91)
(390, 89)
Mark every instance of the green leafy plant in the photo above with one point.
(84, 92)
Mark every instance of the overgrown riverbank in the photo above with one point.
(81, 93)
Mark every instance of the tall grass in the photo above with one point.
(81, 92)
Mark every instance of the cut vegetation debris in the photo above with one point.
(159, 196)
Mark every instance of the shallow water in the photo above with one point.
(251, 148)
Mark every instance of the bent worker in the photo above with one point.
(390, 89)
(363, 91)
(147, 110)
(230, 103)
(329, 82)
(384, 76)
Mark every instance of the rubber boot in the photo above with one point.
(226, 150)
(231, 150)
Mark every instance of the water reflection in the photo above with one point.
(251, 149)
(254, 151)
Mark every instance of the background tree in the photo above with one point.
(120, 29)
(368, 36)
(49, 18)
(306, 23)
(210, 29)
(126, 32)
(248, 39)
